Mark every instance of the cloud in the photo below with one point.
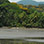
(39, 0)
(27, 0)
(14, 0)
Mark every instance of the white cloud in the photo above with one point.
(14, 0)
(39, 0)
(27, 0)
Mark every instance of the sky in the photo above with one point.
(14, 0)
(39, 0)
(27, 0)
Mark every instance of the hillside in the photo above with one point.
(17, 15)
(30, 2)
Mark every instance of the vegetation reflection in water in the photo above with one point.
(16, 41)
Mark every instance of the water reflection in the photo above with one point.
(17, 41)
(35, 40)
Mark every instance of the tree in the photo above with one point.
(4, 1)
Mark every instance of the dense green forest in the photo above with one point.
(12, 15)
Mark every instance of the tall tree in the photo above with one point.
(3, 1)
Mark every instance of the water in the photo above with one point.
(22, 35)
(35, 40)
(13, 41)
(17, 33)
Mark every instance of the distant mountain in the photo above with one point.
(30, 2)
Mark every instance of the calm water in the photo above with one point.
(20, 34)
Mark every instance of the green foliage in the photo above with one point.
(4, 1)
(13, 16)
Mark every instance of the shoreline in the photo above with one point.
(22, 28)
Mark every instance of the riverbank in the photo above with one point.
(22, 28)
